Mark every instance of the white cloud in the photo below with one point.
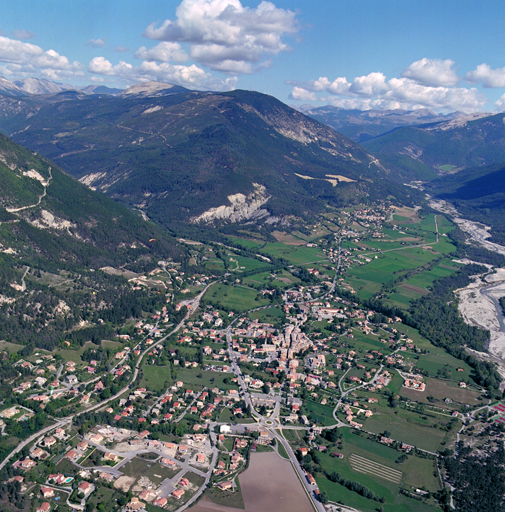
(374, 91)
(163, 52)
(95, 43)
(490, 78)
(102, 66)
(23, 34)
(187, 76)
(338, 86)
(409, 92)
(500, 103)
(54, 60)
(432, 72)
(226, 36)
(369, 85)
(22, 59)
(16, 51)
(298, 93)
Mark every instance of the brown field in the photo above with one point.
(208, 506)
(288, 239)
(269, 483)
(413, 288)
(124, 483)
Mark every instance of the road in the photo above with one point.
(44, 184)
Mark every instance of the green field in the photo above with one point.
(201, 378)
(269, 315)
(72, 354)
(407, 427)
(235, 298)
(238, 263)
(339, 494)
(416, 472)
(281, 279)
(323, 413)
(297, 255)
(156, 378)
(12, 348)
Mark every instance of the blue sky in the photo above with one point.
(444, 55)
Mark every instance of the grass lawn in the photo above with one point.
(282, 279)
(322, 414)
(238, 263)
(116, 345)
(250, 244)
(282, 450)
(339, 494)
(106, 496)
(261, 448)
(225, 416)
(294, 437)
(153, 470)
(407, 427)
(156, 378)
(415, 471)
(365, 342)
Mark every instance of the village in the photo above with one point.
(166, 413)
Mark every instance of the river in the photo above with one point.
(479, 301)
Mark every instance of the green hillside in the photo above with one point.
(55, 235)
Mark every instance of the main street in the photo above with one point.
(271, 424)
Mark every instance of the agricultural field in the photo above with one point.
(11, 348)
(235, 298)
(75, 354)
(295, 255)
(374, 466)
(411, 427)
(322, 414)
(153, 470)
(281, 279)
(409, 257)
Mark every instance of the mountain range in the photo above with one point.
(37, 86)
(363, 125)
(199, 158)
(193, 160)
(448, 146)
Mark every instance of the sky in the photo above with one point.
(444, 55)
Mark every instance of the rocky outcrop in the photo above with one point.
(241, 208)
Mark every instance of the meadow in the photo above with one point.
(235, 298)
